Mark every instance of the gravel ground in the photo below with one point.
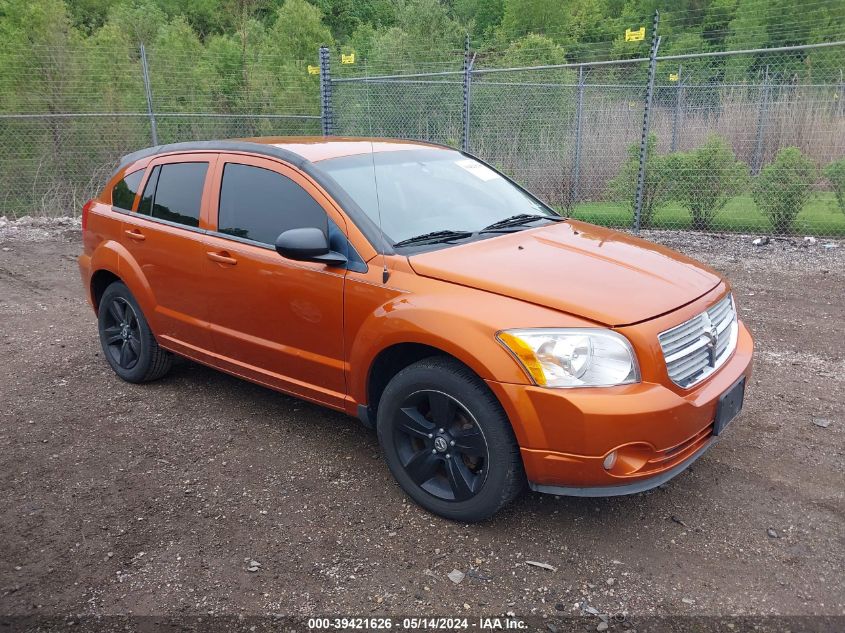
(159, 499)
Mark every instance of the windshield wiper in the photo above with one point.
(434, 237)
(518, 220)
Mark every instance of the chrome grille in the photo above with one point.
(696, 348)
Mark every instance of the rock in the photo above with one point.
(687, 600)
(591, 610)
(456, 576)
(253, 566)
(809, 239)
(610, 582)
(534, 563)
(602, 626)
(772, 533)
(822, 422)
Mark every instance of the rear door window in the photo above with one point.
(174, 193)
(258, 204)
(123, 194)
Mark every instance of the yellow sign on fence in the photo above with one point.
(313, 70)
(635, 36)
(673, 76)
(347, 59)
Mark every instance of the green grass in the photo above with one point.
(820, 217)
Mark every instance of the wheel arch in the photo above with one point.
(100, 280)
(395, 357)
(113, 262)
(387, 363)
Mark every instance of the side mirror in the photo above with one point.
(308, 245)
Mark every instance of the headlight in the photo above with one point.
(576, 357)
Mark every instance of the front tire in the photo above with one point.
(128, 343)
(448, 442)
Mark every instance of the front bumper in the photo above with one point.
(657, 431)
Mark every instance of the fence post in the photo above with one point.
(679, 97)
(468, 64)
(652, 67)
(757, 159)
(325, 92)
(576, 164)
(145, 69)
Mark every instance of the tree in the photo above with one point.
(433, 33)
(89, 15)
(534, 50)
(656, 184)
(340, 16)
(835, 174)
(140, 20)
(298, 31)
(482, 16)
(206, 17)
(784, 187)
(704, 179)
(424, 32)
(535, 16)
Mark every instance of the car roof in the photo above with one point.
(298, 150)
(317, 148)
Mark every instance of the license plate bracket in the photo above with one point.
(729, 406)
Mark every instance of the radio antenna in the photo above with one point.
(385, 275)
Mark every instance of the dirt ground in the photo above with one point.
(155, 499)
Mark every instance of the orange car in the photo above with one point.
(491, 342)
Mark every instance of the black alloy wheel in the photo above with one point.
(441, 446)
(447, 440)
(128, 343)
(122, 337)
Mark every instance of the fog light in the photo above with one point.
(610, 460)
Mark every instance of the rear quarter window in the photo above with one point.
(123, 193)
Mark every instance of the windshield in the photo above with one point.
(429, 190)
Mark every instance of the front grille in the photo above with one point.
(696, 348)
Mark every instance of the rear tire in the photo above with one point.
(448, 442)
(127, 341)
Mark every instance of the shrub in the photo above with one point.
(704, 179)
(784, 187)
(655, 189)
(835, 173)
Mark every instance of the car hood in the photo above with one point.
(595, 273)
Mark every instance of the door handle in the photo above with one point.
(221, 258)
(136, 235)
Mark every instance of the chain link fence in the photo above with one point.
(68, 115)
(746, 141)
